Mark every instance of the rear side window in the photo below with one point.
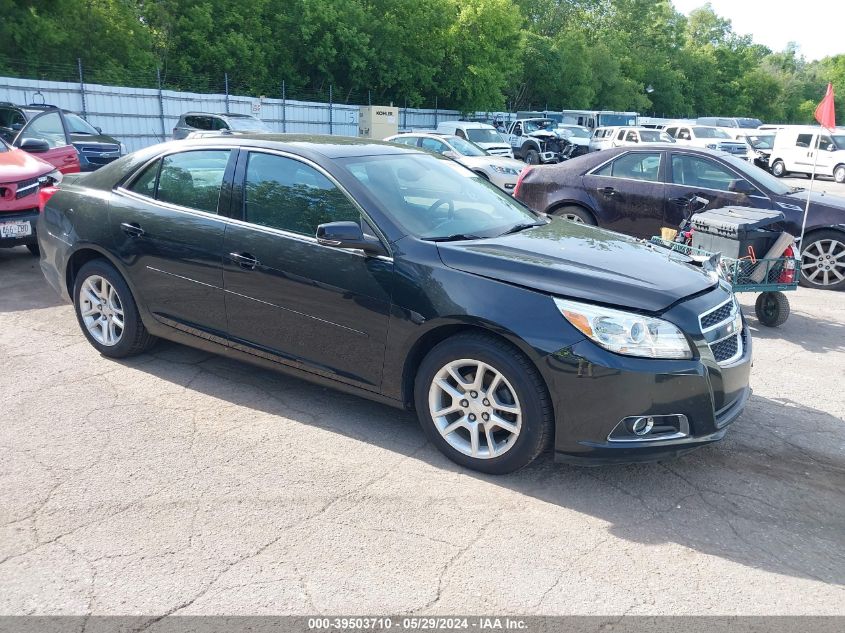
(286, 194)
(635, 166)
(804, 140)
(188, 179)
(198, 122)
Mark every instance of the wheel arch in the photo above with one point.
(436, 335)
(559, 204)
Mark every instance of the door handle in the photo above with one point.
(132, 229)
(608, 191)
(244, 260)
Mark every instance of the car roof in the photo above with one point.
(466, 124)
(225, 115)
(327, 146)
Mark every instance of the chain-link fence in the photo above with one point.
(146, 112)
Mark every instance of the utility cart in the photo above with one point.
(770, 277)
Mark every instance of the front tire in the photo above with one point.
(483, 404)
(779, 169)
(107, 313)
(839, 174)
(532, 157)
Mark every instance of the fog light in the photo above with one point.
(642, 426)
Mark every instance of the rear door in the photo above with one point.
(291, 299)
(169, 235)
(629, 193)
(49, 127)
(690, 175)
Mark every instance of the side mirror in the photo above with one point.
(99, 129)
(831, 148)
(742, 187)
(450, 154)
(348, 235)
(34, 146)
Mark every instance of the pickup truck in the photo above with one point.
(535, 141)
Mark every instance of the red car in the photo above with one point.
(24, 181)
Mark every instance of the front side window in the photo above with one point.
(47, 127)
(694, 171)
(484, 135)
(710, 132)
(193, 179)
(635, 166)
(286, 194)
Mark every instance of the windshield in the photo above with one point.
(465, 148)
(538, 124)
(430, 199)
(760, 141)
(571, 130)
(757, 175)
(749, 123)
(710, 132)
(622, 120)
(248, 124)
(655, 136)
(484, 135)
(77, 125)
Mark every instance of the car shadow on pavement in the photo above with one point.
(18, 291)
(814, 334)
(771, 495)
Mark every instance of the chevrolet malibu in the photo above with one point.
(384, 271)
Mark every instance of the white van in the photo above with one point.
(794, 151)
(485, 136)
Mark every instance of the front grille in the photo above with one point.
(733, 148)
(725, 349)
(719, 315)
(26, 188)
(99, 148)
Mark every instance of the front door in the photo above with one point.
(168, 234)
(49, 127)
(628, 193)
(691, 175)
(291, 299)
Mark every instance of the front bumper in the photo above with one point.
(594, 391)
(29, 216)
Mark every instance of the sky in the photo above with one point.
(816, 25)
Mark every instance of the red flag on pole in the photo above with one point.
(825, 113)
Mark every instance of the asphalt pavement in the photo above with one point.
(181, 482)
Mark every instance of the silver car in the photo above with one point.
(499, 170)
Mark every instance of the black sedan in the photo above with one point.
(639, 190)
(403, 277)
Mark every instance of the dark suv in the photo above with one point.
(95, 148)
(207, 122)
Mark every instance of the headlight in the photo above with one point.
(52, 178)
(625, 332)
(123, 151)
(504, 170)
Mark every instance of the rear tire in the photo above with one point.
(779, 169)
(500, 401)
(575, 214)
(107, 313)
(772, 309)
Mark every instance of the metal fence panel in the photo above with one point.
(140, 117)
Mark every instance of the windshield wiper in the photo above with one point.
(457, 237)
(516, 228)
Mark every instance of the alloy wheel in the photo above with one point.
(101, 310)
(823, 262)
(475, 408)
(572, 217)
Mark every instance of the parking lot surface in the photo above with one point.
(180, 482)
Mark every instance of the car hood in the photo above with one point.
(480, 162)
(582, 262)
(817, 199)
(93, 139)
(17, 165)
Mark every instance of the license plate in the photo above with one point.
(15, 229)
